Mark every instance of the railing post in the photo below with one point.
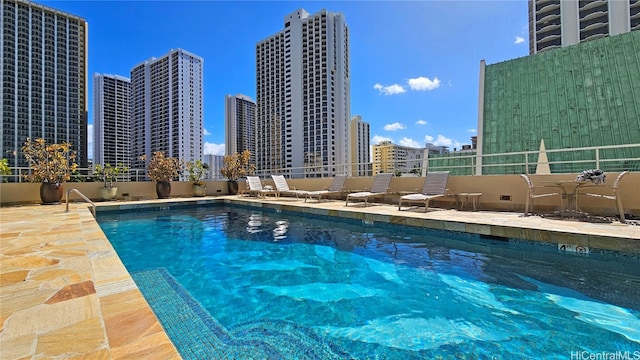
(597, 158)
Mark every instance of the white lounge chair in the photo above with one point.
(379, 188)
(282, 187)
(255, 187)
(435, 185)
(337, 187)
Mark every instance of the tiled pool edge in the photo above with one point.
(536, 229)
(62, 280)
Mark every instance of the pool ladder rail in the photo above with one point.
(92, 208)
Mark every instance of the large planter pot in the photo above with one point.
(232, 187)
(51, 193)
(163, 190)
(199, 190)
(107, 193)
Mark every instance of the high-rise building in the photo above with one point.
(303, 96)
(111, 135)
(166, 107)
(216, 163)
(44, 79)
(560, 23)
(389, 157)
(360, 147)
(240, 124)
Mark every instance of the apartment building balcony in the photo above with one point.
(592, 4)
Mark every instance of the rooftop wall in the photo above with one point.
(583, 95)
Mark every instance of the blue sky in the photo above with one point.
(414, 64)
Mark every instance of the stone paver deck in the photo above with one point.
(66, 294)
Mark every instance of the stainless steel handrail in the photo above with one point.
(93, 206)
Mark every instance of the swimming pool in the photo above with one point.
(231, 282)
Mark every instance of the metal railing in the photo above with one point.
(611, 158)
(92, 208)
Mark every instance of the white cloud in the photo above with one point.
(424, 84)
(421, 122)
(428, 139)
(377, 139)
(443, 141)
(405, 141)
(213, 149)
(389, 90)
(519, 40)
(205, 132)
(90, 141)
(473, 131)
(394, 127)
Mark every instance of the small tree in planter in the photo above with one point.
(196, 171)
(4, 169)
(109, 175)
(162, 170)
(50, 165)
(236, 166)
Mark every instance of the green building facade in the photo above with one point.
(579, 96)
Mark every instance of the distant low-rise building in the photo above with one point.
(397, 159)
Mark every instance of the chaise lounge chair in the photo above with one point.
(282, 187)
(435, 185)
(379, 188)
(255, 187)
(337, 187)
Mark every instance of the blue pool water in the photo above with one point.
(231, 282)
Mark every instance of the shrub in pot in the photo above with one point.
(51, 165)
(236, 166)
(109, 175)
(195, 173)
(162, 170)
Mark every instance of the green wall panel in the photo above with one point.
(578, 96)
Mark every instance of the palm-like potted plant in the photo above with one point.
(162, 170)
(109, 175)
(50, 165)
(195, 172)
(236, 166)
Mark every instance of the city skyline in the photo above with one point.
(414, 64)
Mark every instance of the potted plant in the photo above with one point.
(50, 165)
(196, 171)
(236, 166)
(162, 170)
(109, 175)
(4, 169)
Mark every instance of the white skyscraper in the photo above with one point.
(111, 135)
(240, 124)
(360, 147)
(559, 23)
(166, 107)
(303, 96)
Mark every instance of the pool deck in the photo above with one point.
(66, 294)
